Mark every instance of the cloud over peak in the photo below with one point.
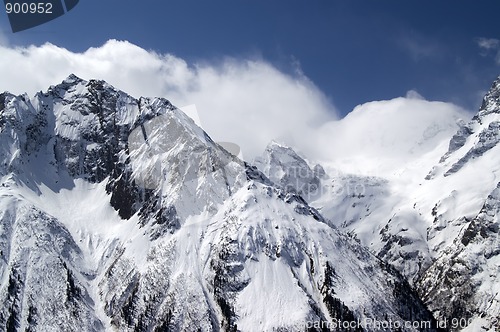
(245, 101)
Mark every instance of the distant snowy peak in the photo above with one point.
(119, 213)
(386, 137)
(283, 166)
(475, 138)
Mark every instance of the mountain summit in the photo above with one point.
(121, 214)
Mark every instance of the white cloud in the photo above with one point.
(244, 101)
(4, 41)
(413, 94)
(248, 102)
(380, 137)
(488, 43)
(490, 46)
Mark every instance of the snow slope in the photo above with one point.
(426, 204)
(120, 214)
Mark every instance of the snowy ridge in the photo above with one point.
(283, 166)
(417, 221)
(464, 145)
(44, 276)
(464, 280)
(148, 225)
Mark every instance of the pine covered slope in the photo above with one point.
(121, 214)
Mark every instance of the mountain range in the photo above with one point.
(121, 214)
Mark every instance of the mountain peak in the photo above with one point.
(475, 138)
(286, 168)
(491, 102)
(208, 242)
(72, 79)
(275, 144)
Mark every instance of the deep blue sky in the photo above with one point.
(355, 51)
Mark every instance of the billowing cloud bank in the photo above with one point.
(381, 136)
(248, 102)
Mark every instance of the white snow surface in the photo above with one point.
(407, 183)
(191, 238)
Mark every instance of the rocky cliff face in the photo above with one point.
(439, 230)
(478, 136)
(463, 282)
(283, 166)
(121, 214)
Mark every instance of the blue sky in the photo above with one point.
(354, 51)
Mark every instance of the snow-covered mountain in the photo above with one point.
(463, 281)
(283, 166)
(120, 214)
(435, 218)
